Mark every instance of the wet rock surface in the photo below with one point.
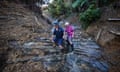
(86, 57)
(30, 49)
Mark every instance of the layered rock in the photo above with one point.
(30, 49)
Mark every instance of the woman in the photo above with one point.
(69, 31)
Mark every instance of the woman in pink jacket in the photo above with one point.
(69, 31)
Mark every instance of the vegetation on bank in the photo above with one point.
(88, 10)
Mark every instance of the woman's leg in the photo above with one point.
(71, 43)
(60, 42)
(55, 42)
(69, 38)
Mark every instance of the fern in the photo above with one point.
(76, 3)
(79, 3)
(90, 15)
(83, 2)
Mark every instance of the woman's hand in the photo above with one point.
(73, 35)
(65, 37)
(52, 38)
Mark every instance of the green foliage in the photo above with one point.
(57, 8)
(76, 4)
(90, 15)
(89, 10)
(79, 3)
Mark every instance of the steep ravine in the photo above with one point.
(29, 49)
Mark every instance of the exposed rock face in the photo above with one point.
(16, 24)
(30, 49)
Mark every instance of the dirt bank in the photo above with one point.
(102, 31)
(18, 24)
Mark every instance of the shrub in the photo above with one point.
(57, 8)
(90, 15)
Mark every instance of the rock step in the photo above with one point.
(29, 44)
(78, 50)
(44, 51)
(48, 58)
(89, 52)
(38, 47)
(102, 66)
(42, 39)
(97, 56)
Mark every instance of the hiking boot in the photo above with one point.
(61, 47)
(54, 45)
(72, 47)
(62, 50)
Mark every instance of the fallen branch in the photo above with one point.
(98, 35)
(37, 20)
(113, 19)
(113, 32)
